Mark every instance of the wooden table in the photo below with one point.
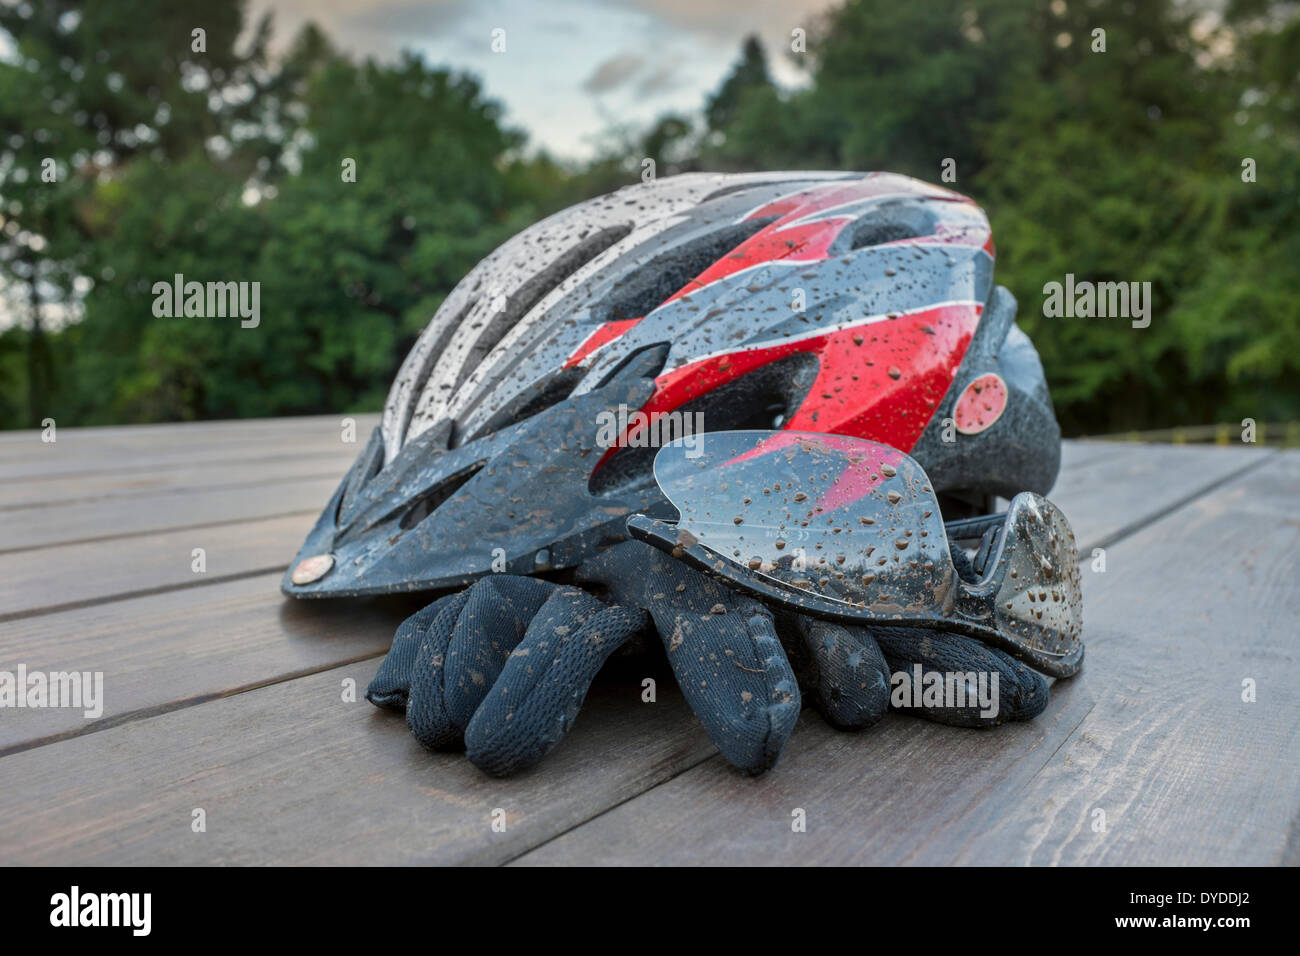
(223, 696)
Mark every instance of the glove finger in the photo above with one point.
(722, 647)
(735, 675)
(995, 686)
(462, 653)
(391, 685)
(843, 668)
(535, 700)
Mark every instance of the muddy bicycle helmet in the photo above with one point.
(844, 303)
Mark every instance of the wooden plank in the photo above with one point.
(35, 469)
(1153, 731)
(282, 439)
(176, 648)
(291, 774)
(1075, 453)
(189, 433)
(121, 567)
(1110, 496)
(43, 527)
(1185, 770)
(51, 491)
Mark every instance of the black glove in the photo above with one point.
(500, 668)
(740, 679)
(503, 666)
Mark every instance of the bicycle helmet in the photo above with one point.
(844, 303)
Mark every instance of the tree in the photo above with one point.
(747, 76)
(93, 88)
(398, 179)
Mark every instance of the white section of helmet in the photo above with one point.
(462, 346)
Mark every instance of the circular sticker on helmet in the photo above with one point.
(312, 569)
(980, 404)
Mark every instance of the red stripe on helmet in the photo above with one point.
(602, 335)
(881, 381)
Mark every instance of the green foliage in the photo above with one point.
(350, 267)
(748, 77)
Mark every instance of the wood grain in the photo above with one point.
(292, 774)
(182, 647)
(43, 527)
(117, 567)
(1110, 495)
(1153, 731)
(146, 448)
(222, 694)
(110, 487)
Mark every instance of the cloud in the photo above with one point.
(567, 57)
(367, 27)
(629, 71)
(614, 72)
(662, 79)
(406, 17)
(719, 26)
(728, 19)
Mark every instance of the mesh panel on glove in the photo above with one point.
(841, 667)
(535, 700)
(722, 647)
(1022, 692)
(501, 667)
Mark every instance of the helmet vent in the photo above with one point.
(878, 233)
(537, 287)
(544, 394)
(646, 362)
(889, 223)
(765, 398)
(776, 185)
(653, 283)
(367, 465)
(429, 502)
(420, 378)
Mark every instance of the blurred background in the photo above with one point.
(224, 165)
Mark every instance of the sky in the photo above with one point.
(572, 69)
